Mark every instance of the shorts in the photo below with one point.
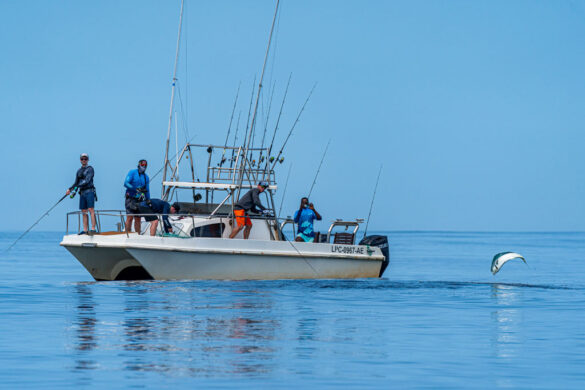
(86, 200)
(131, 205)
(242, 218)
(147, 210)
(306, 238)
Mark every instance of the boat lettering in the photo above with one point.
(347, 249)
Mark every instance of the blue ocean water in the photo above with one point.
(438, 319)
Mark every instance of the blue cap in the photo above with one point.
(264, 184)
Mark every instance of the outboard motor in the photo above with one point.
(382, 243)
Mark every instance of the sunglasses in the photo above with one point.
(84, 159)
(143, 164)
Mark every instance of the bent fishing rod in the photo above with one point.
(319, 169)
(373, 197)
(38, 220)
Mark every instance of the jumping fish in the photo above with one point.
(501, 258)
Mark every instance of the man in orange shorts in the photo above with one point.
(250, 201)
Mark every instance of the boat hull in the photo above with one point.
(169, 258)
(164, 265)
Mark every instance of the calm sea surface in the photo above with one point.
(438, 319)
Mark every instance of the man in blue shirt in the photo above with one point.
(84, 184)
(304, 218)
(158, 206)
(137, 190)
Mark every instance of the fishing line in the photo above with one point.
(306, 261)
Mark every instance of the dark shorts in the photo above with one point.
(86, 200)
(131, 206)
(147, 210)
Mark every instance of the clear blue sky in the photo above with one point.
(475, 108)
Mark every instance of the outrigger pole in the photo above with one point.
(247, 142)
(166, 163)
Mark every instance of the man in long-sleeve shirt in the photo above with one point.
(250, 201)
(137, 186)
(84, 184)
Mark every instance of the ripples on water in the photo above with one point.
(439, 319)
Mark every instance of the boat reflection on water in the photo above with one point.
(172, 328)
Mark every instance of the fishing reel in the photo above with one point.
(72, 195)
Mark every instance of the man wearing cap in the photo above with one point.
(250, 201)
(137, 186)
(158, 206)
(84, 185)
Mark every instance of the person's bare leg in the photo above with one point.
(85, 220)
(235, 231)
(92, 213)
(247, 231)
(137, 224)
(128, 225)
(153, 226)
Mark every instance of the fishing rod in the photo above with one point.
(319, 169)
(373, 197)
(235, 139)
(291, 130)
(284, 191)
(38, 220)
(230, 126)
(261, 158)
(278, 120)
(250, 111)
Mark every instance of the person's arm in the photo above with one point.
(165, 218)
(256, 200)
(128, 181)
(87, 177)
(315, 211)
(297, 215)
(73, 185)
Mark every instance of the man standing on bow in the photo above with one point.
(87, 196)
(137, 186)
(250, 201)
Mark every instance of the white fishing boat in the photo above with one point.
(200, 247)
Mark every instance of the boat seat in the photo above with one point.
(344, 238)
